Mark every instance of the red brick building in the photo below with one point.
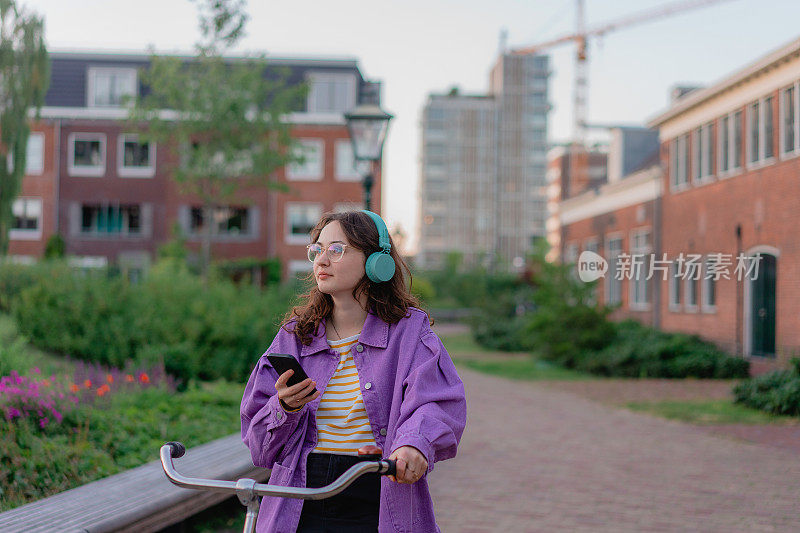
(112, 200)
(730, 187)
(715, 220)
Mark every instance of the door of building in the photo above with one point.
(762, 308)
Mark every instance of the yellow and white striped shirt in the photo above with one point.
(342, 423)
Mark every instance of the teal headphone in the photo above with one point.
(380, 265)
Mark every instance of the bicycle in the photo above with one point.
(248, 490)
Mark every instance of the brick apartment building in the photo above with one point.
(726, 187)
(111, 198)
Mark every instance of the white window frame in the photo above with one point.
(29, 169)
(674, 283)
(706, 283)
(295, 172)
(296, 238)
(28, 234)
(91, 80)
(646, 250)
(86, 171)
(134, 172)
(612, 265)
(343, 157)
(687, 305)
(795, 151)
(701, 141)
(679, 152)
(761, 159)
(348, 78)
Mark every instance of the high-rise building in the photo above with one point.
(483, 189)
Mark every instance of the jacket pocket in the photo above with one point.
(279, 475)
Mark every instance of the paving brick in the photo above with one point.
(537, 459)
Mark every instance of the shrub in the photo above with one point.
(776, 392)
(196, 330)
(641, 351)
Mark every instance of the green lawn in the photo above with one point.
(468, 353)
(710, 412)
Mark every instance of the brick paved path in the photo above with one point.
(537, 459)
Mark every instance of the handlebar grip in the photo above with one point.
(176, 449)
(391, 467)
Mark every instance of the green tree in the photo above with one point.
(24, 79)
(223, 119)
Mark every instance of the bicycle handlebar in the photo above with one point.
(172, 450)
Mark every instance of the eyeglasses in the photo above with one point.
(335, 251)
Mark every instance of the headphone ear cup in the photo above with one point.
(380, 267)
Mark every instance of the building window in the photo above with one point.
(135, 159)
(674, 286)
(300, 220)
(101, 219)
(702, 151)
(769, 138)
(347, 168)
(613, 285)
(691, 287)
(724, 151)
(737, 141)
(679, 162)
(755, 130)
(313, 153)
(760, 131)
(108, 87)
(87, 154)
(640, 263)
(331, 92)
(34, 158)
(230, 221)
(27, 219)
(789, 120)
(709, 288)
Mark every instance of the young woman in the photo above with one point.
(382, 377)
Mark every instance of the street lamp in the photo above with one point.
(367, 125)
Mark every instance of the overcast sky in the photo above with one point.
(417, 47)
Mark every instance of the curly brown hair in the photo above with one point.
(389, 300)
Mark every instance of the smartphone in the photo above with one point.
(282, 362)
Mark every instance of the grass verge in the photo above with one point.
(710, 412)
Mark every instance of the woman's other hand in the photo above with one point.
(294, 397)
(411, 464)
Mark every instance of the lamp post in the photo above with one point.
(367, 125)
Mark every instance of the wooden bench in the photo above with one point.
(141, 499)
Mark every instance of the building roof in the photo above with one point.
(754, 69)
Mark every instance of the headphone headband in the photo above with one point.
(383, 232)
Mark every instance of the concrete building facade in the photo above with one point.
(496, 165)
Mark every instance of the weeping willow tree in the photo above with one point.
(24, 79)
(222, 119)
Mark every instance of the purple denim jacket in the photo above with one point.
(412, 394)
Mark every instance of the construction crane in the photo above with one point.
(581, 36)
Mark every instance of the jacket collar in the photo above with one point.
(375, 333)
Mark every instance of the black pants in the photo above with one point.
(354, 510)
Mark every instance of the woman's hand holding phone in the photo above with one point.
(296, 396)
